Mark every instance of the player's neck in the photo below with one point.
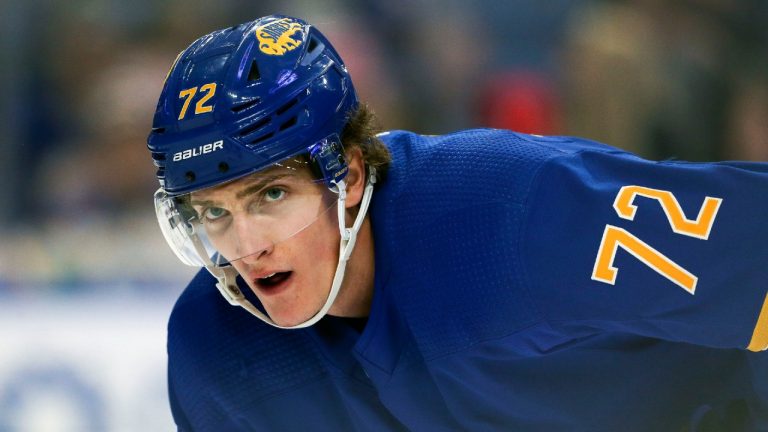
(356, 294)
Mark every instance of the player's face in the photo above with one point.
(279, 229)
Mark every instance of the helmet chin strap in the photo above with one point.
(226, 275)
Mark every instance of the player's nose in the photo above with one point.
(251, 240)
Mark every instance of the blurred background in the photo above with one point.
(86, 281)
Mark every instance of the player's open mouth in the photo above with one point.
(273, 283)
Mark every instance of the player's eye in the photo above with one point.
(274, 194)
(212, 214)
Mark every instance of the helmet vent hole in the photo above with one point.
(244, 106)
(289, 123)
(254, 74)
(259, 124)
(287, 106)
(314, 49)
(312, 45)
(190, 176)
(262, 138)
(223, 167)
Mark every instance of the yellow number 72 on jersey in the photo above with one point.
(615, 237)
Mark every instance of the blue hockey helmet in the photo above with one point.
(238, 100)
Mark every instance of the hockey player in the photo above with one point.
(481, 280)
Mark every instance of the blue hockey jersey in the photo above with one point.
(521, 283)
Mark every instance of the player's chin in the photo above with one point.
(289, 317)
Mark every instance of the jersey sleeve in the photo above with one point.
(179, 416)
(670, 250)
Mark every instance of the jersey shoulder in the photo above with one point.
(448, 218)
(489, 164)
(616, 242)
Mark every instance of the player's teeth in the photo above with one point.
(269, 276)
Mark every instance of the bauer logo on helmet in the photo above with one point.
(199, 150)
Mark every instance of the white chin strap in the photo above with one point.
(226, 275)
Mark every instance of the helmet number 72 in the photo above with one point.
(200, 107)
(615, 237)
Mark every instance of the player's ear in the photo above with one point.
(355, 177)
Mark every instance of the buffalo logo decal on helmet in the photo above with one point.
(279, 37)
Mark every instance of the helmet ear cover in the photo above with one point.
(327, 157)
